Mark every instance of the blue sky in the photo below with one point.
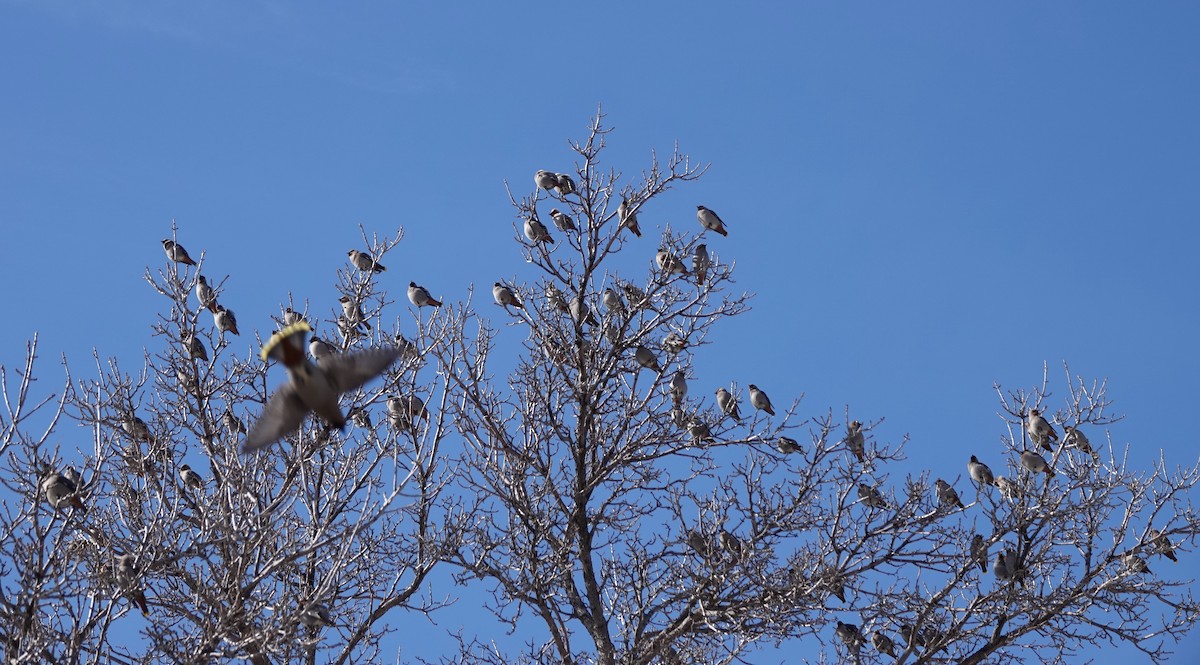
(926, 198)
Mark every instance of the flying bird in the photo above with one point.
(562, 220)
(1040, 431)
(505, 297)
(710, 221)
(646, 358)
(728, 405)
(980, 472)
(225, 321)
(759, 400)
(419, 296)
(947, 495)
(364, 261)
(128, 575)
(700, 263)
(311, 387)
(628, 217)
(537, 232)
(176, 252)
(205, 294)
(60, 490)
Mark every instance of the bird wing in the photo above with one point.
(281, 416)
(348, 371)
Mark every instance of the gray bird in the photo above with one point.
(311, 387)
(410, 407)
(787, 445)
(581, 313)
(190, 477)
(195, 347)
(352, 313)
(848, 634)
(545, 179)
(316, 615)
(136, 428)
(700, 263)
(176, 252)
(1008, 488)
(291, 316)
(883, 644)
(60, 491)
(612, 301)
(760, 401)
(710, 221)
(674, 343)
(728, 405)
(537, 232)
(225, 321)
(980, 472)
(408, 350)
(947, 495)
(700, 431)
(628, 217)
(233, 423)
(555, 299)
(128, 577)
(979, 552)
(205, 294)
(637, 297)
(1161, 544)
(364, 261)
(505, 297)
(699, 543)
(731, 544)
(1135, 564)
(419, 296)
(855, 441)
(1012, 564)
(562, 220)
(565, 184)
(912, 636)
(1040, 431)
(832, 582)
(669, 263)
(1073, 438)
(1036, 463)
(678, 386)
(319, 348)
(646, 358)
(871, 496)
(1000, 567)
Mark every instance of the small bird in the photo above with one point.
(728, 405)
(1008, 488)
(190, 477)
(205, 294)
(405, 410)
(699, 543)
(195, 347)
(646, 358)
(352, 313)
(674, 343)
(176, 252)
(731, 544)
(669, 263)
(832, 582)
(980, 472)
(679, 386)
(710, 221)
(883, 644)
(233, 423)
(225, 321)
(759, 400)
(136, 428)
(855, 441)
(1161, 544)
(612, 301)
(565, 184)
(316, 615)
(545, 179)
(637, 297)
(581, 312)
(871, 496)
(1073, 438)
(555, 299)
(947, 495)
(419, 296)
(787, 445)
(628, 217)
(848, 633)
(60, 490)
(505, 297)
(127, 576)
(700, 431)
(537, 232)
(408, 350)
(311, 387)
(1012, 564)
(1040, 431)
(979, 552)
(562, 220)
(912, 636)
(1135, 564)
(1036, 463)
(364, 261)
(700, 263)
(319, 348)
(291, 317)
(1000, 568)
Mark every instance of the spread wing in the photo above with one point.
(281, 416)
(348, 371)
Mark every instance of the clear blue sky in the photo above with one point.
(926, 198)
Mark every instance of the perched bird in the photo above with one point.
(883, 644)
(979, 552)
(319, 348)
(1012, 564)
(731, 544)
(1135, 564)
(646, 358)
(1000, 567)
(628, 217)
(912, 636)
(505, 297)
(352, 313)
(669, 263)
(612, 332)
(419, 296)
(409, 408)
(1040, 431)
(699, 543)
(311, 387)
(565, 184)
(537, 232)
(225, 321)
(674, 343)
(678, 386)
(1008, 488)
(728, 405)
(1036, 463)
(176, 252)
(871, 496)
(128, 575)
(1161, 544)
(581, 312)
(60, 490)
(364, 261)
(562, 220)
(710, 221)
(291, 316)
(787, 445)
(700, 431)
(760, 401)
(980, 472)
(947, 495)
(408, 350)
(195, 347)
(233, 423)
(700, 263)
(1073, 438)
(612, 301)
(555, 299)
(637, 297)
(136, 428)
(205, 294)
(848, 634)
(832, 582)
(855, 441)
(190, 477)
(545, 179)
(316, 615)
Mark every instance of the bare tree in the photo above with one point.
(623, 516)
(298, 553)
